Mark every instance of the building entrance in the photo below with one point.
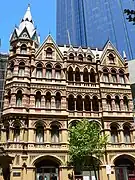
(47, 169)
(124, 169)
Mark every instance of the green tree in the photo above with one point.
(130, 15)
(85, 142)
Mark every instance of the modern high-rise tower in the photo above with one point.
(93, 22)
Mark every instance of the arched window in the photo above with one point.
(71, 57)
(77, 74)
(111, 58)
(9, 97)
(58, 100)
(87, 104)
(49, 71)
(92, 76)
(121, 77)
(48, 100)
(71, 103)
(89, 58)
(117, 103)
(126, 105)
(105, 75)
(39, 71)
(109, 102)
(114, 134)
(70, 74)
(23, 49)
(114, 76)
(7, 132)
(79, 103)
(127, 138)
(39, 133)
(19, 98)
(21, 69)
(58, 72)
(38, 99)
(11, 67)
(49, 53)
(85, 75)
(17, 133)
(95, 104)
(55, 134)
(80, 57)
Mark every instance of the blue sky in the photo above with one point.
(12, 11)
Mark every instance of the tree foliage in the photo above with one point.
(85, 141)
(130, 15)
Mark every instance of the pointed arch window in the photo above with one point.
(92, 76)
(105, 75)
(121, 77)
(70, 74)
(11, 68)
(58, 100)
(48, 100)
(77, 75)
(55, 134)
(9, 97)
(117, 103)
(114, 134)
(114, 76)
(95, 104)
(39, 71)
(39, 133)
(16, 132)
(109, 102)
(79, 103)
(71, 57)
(71, 103)
(21, 69)
(19, 98)
(80, 57)
(23, 49)
(111, 58)
(58, 72)
(49, 53)
(7, 132)
(85, 75)
(38, 99)
(48, 71)
(87, 104)
(127, 138)
(89, 58)
(126, 103)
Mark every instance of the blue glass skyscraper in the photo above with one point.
(93, 22)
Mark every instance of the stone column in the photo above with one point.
(121, 135)
(122, 105)
(53, 102)
(48, 135)
(113, 105)
(42, 102)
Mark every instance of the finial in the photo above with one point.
(124, 55)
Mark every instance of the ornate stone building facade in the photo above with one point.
(47, 89)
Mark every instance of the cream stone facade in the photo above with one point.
(47, 89)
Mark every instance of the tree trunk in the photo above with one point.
(94, 168)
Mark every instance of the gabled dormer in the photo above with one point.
(24, 34)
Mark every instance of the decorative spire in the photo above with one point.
(124, 55)
(28, 16)
(27, 26)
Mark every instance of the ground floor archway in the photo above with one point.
(124, 168)
(47, 168)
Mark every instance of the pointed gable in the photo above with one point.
(49, 43)
(89, 52)
(80, 50)
(110, 56)
(14, 36)
(71, 50)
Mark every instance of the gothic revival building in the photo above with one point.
(47, 89)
